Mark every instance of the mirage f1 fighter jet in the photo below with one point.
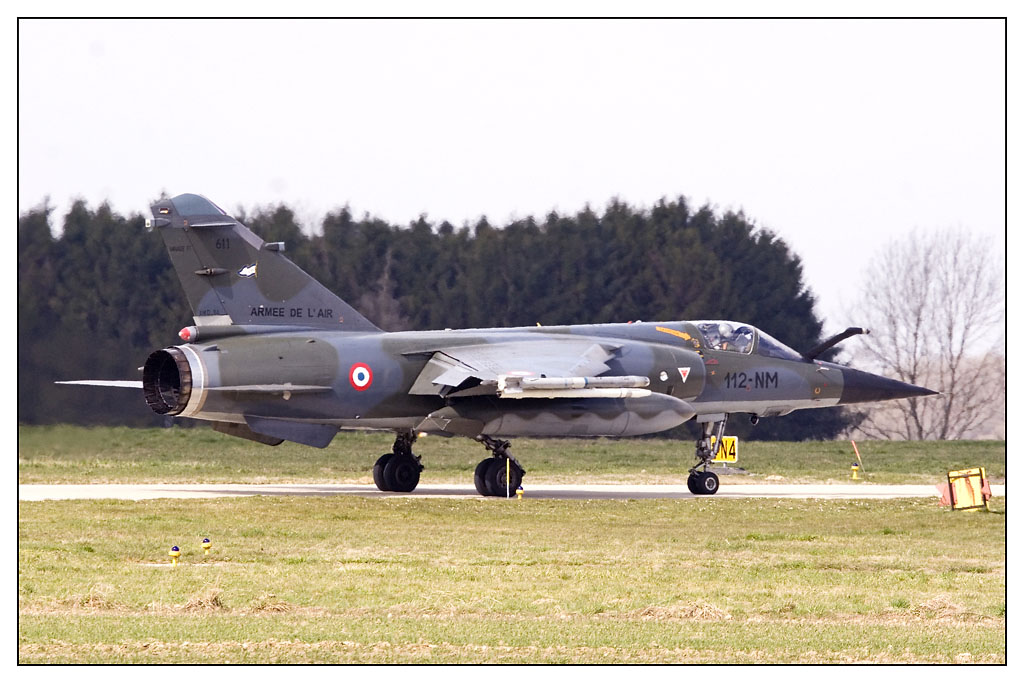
(274, 356)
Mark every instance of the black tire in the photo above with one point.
(378, 471)
(496, 478)
(708, 484)
(692, 483)
(402, 473)
(480, 475)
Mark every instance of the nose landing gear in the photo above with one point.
(701, 482)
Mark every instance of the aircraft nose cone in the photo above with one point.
(863, 387)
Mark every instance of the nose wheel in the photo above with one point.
(701, 482)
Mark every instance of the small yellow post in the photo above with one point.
(855, 468)
(519, 492)
(206, 546)
(175, 554)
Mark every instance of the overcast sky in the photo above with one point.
(836, 135)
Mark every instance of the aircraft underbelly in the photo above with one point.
(568, 417)
(762, 408)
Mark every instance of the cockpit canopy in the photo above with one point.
(725, 335)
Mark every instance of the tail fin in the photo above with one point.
(231, 276)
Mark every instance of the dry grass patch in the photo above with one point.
(698, 611)
(98, 597)
(268, 602)
(940, 607)
(206, 600)
(344, 651)
(889, 618)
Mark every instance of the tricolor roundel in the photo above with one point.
(360, 376)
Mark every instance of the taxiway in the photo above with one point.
(33, 492)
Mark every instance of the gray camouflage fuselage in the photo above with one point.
(716, 382)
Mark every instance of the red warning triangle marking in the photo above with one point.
(684, 373)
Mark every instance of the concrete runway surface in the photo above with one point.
(536, 491)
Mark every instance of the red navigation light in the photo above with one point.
(187, 333)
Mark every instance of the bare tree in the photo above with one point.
(936, 309)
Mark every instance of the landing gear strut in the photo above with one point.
(701, 482)
(400, 469)
(490, 475)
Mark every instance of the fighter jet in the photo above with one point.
(274, 356)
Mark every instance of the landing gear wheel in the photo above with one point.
(702, 483)
(378, 471)
(495, 478)
(480, 476)
(489, 477)
(400, 469)
(402, 473)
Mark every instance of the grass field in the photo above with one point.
(414, 580)
(111, 455)
(349, 579)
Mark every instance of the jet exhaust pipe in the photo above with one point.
(167, 381)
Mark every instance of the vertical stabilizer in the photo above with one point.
(231, 276)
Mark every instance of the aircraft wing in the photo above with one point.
(545, 368)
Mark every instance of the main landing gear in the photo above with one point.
(701, 482)
(400, 469)
(490, 475)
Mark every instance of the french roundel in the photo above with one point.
(360, 376)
